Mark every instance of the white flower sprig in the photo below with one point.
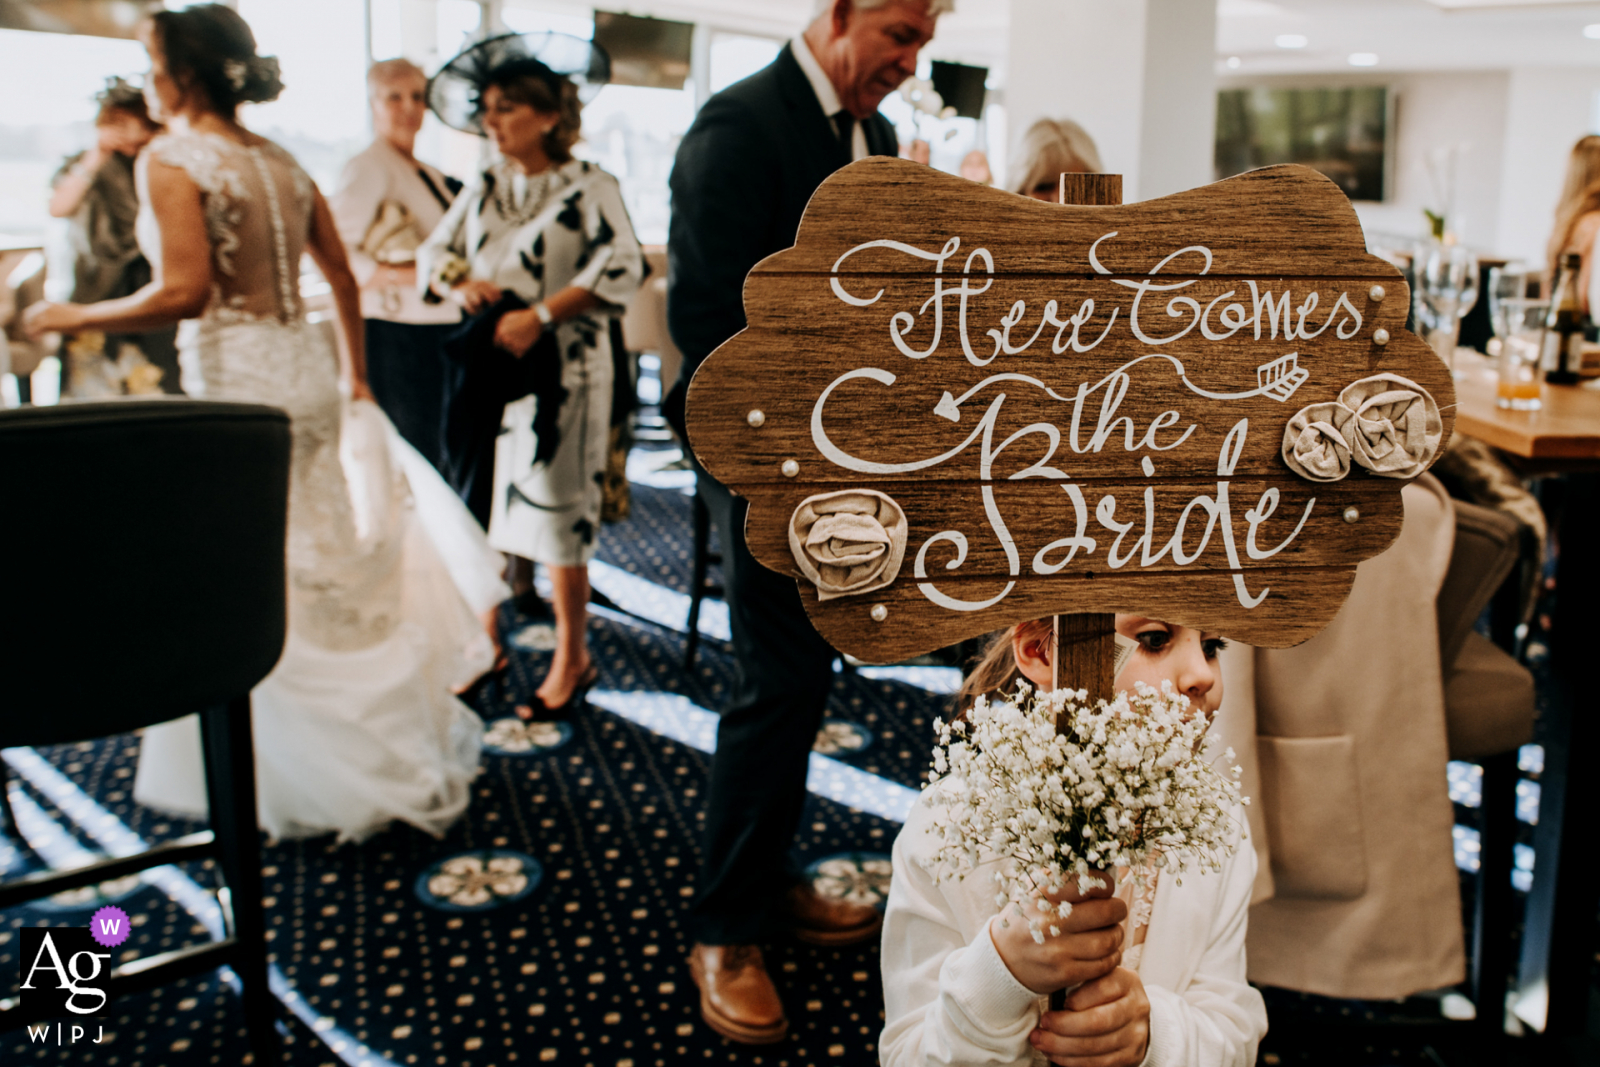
(1126, 784)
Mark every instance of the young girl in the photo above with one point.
(961, 988)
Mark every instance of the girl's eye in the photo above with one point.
(1153, 640)
(1213, 646)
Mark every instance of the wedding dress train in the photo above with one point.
(357, 725)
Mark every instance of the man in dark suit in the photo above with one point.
(743, 175)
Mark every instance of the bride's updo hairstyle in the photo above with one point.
(528, 81)
(208, 48)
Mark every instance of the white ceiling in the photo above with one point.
(1405, 35)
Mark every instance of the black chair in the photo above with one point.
(699, 587)
(1489, 713)
(165, 519)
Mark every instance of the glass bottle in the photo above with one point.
(1563, 327)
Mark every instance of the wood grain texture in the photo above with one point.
(1092, 189)
(1086, 651)
(1036, 514)
(1003, 368)
(1299, 602)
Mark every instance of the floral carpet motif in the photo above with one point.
(840, 738)
(858, 877)
(511, 736)
(479, 881)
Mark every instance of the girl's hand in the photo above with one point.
(1088, 947)
(474, 294)
(45, 317)
(1106, 1024)
(517, 331)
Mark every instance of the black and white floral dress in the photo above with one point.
(535, 236)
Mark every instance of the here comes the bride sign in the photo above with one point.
(955, 408)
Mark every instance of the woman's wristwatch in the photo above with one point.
(542, 310)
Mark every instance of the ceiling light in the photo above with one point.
(1592, 31)
(1234, 62)
(1290, 40)
(1460, 5)
(1363, 59)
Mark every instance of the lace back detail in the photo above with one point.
(288, 297)
(254, 197)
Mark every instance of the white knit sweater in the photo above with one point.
(950, 999)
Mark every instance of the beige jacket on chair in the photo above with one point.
(1344, 745)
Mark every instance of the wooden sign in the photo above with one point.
(955, 408)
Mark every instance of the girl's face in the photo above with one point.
(517, 129)
(1167, 652)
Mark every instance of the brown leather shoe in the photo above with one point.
(820, 920)
(737, 997)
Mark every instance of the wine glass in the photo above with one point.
(1447, 288)
(1508, 290)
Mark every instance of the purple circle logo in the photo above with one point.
(110, 926)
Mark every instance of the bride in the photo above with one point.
(357, 724)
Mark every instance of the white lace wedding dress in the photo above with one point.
(357, 725)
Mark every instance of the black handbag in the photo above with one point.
(488, 378)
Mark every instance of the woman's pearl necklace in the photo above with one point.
(538, 192)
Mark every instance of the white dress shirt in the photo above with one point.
(827, 95)
(950, 999)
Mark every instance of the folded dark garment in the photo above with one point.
(490, 378)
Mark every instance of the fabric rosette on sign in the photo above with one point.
(1396, 430)
(848, 542)
(1315, 443)
(1387, 424)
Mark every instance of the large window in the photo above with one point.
(323, 48)
(322, 115)
(631, 131)
(735, 56)
(48, 81)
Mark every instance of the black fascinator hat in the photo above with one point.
(456, 93)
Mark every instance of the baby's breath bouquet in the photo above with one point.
(1124, 783)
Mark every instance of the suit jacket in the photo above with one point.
(1357, 894)
(743, 175)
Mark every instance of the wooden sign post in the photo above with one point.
(1085, 644)
(955, 408)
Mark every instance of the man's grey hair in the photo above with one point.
(935, 7)
(392, 70)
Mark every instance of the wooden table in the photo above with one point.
(1562, 438)
(1566, 428)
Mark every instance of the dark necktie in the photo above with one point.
(844, 124)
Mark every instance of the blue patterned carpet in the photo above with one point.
(546, 925)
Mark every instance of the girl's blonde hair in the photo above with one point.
(1053, 147)
(996, 669)
(1579, 196)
